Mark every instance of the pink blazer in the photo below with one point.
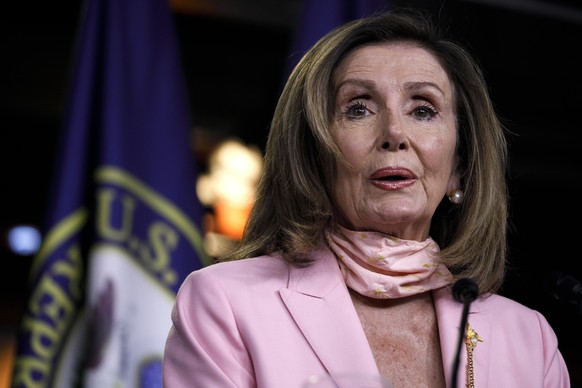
(262, 323)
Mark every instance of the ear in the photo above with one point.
(454, 182)
(455, 178)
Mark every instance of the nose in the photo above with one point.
(392, 136)
(398, 146)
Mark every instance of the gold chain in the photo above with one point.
(470, 373)
(471, 343)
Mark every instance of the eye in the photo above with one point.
(424, 112)
(357, 110)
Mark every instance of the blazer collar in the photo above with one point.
(320, 304)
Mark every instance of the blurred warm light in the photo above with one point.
(229, 187)
(233, 172)
(230, 218)
(7, 345)
(24, 240)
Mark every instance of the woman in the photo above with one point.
(384, 181)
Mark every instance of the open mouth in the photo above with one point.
(392, 174)
(392, 178)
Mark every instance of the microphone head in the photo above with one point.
(465, 290)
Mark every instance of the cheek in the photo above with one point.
(347, 184)
(344, 179)
(349, 171)
(355, 150)
(439, 159)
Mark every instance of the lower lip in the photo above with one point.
(393, 185)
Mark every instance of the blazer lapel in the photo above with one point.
(449, 313)
(321, 306)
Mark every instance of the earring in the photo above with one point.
(456, 197)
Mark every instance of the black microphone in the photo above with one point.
(465, 291)
(564, 287)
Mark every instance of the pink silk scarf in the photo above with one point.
(383, 267)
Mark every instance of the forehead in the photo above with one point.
(394, 59)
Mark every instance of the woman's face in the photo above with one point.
(394, 121)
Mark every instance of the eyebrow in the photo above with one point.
(354, 81)
(408, 86)
(412, 86)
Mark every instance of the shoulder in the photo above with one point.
(259, 265)
(514, 318)
(269, 271)
(502, 306)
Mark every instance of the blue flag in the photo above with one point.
(122, 229)
(318, 17)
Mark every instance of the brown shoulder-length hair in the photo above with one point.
(294, 205)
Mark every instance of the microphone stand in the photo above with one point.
(465, 291)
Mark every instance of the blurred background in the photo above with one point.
(235, 54)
